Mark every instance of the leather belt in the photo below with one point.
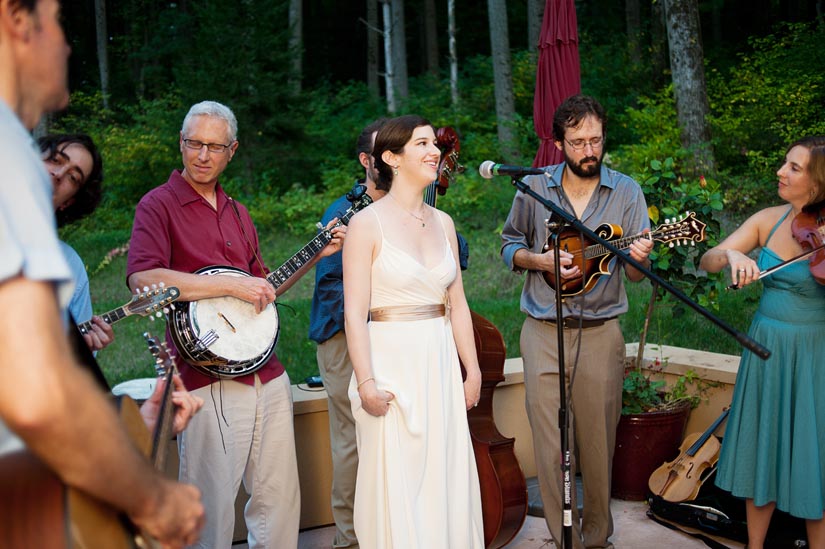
(405, 313)
(571, 322)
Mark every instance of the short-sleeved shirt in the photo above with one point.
(176, 228)
(617, 200)
(327, 315)
(80, 305)
(28, 238)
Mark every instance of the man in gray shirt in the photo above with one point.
(595, 195)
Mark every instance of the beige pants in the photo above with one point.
(336, 371)
(254, 425)
(596, 399)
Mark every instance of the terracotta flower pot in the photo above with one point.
(643, 443)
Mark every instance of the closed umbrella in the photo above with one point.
(557, 74)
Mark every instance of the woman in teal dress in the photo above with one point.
(773, 453)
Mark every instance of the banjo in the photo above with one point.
(224, 336)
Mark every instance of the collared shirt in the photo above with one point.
(28, 237)
(327, 315)
(80, 305)
(617, 200)
(176, 228)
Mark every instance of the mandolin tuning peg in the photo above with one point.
(671, 245)
(162, 284)
(146, 288)
(151, 318)
(158, 314)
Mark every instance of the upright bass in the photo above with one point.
(503, 488)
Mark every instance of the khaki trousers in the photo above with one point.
(596, 404)
(336, 371)
(254, 425)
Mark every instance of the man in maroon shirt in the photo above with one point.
(245, 430)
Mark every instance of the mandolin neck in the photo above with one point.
(599, 250)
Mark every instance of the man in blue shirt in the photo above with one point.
(327, 329)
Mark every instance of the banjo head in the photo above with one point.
(244, 334)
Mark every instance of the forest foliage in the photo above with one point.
(766, 88)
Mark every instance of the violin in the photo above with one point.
(681, 479)
(501, 481)
(808, 228)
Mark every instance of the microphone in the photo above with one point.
(488, 169)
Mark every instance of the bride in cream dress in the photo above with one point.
(407, 323)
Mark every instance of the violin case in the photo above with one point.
(718, 513)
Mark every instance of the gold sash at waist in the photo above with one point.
(406, 313)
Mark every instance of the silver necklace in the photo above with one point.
(418, 217)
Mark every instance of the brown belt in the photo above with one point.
(406, 313)
(571, 322)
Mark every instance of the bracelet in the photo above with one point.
(357, 387)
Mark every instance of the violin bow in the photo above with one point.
(782, 265)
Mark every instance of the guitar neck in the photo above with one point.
(163, 429)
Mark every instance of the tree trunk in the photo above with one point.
(454, 96)
(535, 14)
(688, 73)
(431, 36)
(503, 77)
(399, 48)
(372, 47)
(658, 42)
(102, 50)
(633, 21)
(296, 46)
(389, 75)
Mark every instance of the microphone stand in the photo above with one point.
(567, 219)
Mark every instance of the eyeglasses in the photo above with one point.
(579, 144)
(196, 145)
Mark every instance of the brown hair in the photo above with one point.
(573, 110)
(392, 136)
(816, 167)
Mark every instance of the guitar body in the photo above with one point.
(245, 339)
(591, 267)
(38, 510)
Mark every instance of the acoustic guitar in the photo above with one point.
(38, 510)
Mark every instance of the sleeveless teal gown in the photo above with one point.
(774, 443)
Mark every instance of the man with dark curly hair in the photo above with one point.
(76, 170)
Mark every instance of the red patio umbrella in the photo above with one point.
(557, 74)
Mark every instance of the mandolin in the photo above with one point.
(145, 303)
(593, 259)
(680, 479)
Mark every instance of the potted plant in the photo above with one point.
(654, 414)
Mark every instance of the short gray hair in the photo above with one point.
(215, 109)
